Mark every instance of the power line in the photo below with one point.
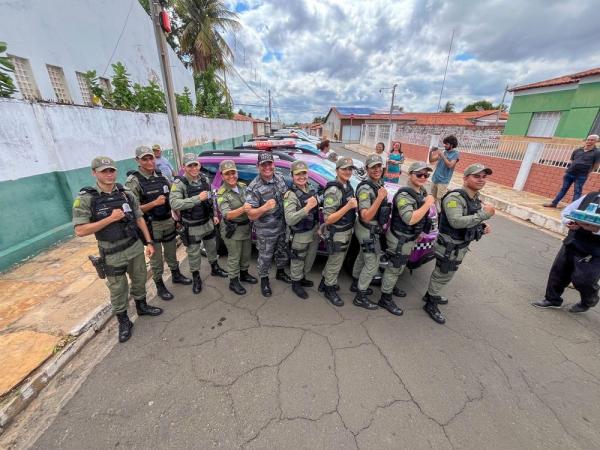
(120, 36)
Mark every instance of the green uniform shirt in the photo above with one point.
(179, 201)
(229, 200)
(455, 208)
(407, 205)
(295, 213)
(366, 195)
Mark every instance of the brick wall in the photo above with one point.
(547, 181)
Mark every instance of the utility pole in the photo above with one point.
(165, 68)
(270, 122)
(445, 71)
(500, 105)
(390, 118)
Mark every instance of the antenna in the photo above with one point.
(446, 71)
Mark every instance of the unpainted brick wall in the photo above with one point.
(547, 181)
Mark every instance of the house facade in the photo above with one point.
(562, 110)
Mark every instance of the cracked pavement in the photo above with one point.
(218, 370)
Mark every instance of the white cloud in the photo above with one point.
(314, 54)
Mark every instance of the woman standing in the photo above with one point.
(394, 164)
(380, 150)
(235, 228)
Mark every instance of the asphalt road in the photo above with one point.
(217, 370)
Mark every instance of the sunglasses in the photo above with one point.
(192, 165)
(479, 176)
(421, 175)
(147, 158)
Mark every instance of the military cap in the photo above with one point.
(344, 162)
(299, 166)
(265, 156)
(156, 147)
(476, 168)
(142, 151)
(227, 165)
(419, 165)
(373, 159)
(100, 163)
(190, 158)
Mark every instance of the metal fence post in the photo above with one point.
(532, 155)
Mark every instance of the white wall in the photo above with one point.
(38, 138)
(81, 35)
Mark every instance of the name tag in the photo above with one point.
(126, 208)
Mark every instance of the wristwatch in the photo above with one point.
(150, 242)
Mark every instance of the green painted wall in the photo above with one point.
(550, 101)
(517, 124)
(577, 123)
(36, 211)
(587, 96)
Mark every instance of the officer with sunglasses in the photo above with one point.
(462, 217)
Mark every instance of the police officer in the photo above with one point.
(265, 196)
(578, 260)
(112, 213)
(373, 214)
(462, 218)
(235, 227)
(151, 190)
(302, 217)
(191, 196)
(339, 211)
(410, 215)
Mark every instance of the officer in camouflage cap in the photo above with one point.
(461, 222)
(192, 197)
(235, 227)
(265, 196)
(302, 217)
(339, 211)
(410, 217)
(151, 189)
(112, 213)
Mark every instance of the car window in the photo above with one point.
(247, 172)
(209, 170)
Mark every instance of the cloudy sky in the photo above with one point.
(316, 54)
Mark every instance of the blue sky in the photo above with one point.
(313, 54)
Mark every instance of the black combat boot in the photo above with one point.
(162, 290)
(332, 295)
(362, 301)
(125, 326)
(197, 287)
(322, 285)
(247, 278)
(299, 290)
(178, 278)
(433, 311)
(354, 287)
(437, 299)
(306, 283)
(235, 286)
(397, 292)
(265, 287)
(386, 302)
(144, 309)
(282, 276)
(216, 271)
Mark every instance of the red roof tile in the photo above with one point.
(242, 118)
(565, 79)
(457, 119)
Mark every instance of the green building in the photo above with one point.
(561, 110)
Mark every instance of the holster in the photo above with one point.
(230, 228)
(184, 234)
(99, 265)
(333, 246)
(444, 262)
(395, 257)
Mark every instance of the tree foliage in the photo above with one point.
(480, 105)
(448, 107)
(318, 119)
(149, 98)
(122, 94)
(211, 100)
(7, 87)
(184, 102)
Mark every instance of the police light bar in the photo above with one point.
(272, 144)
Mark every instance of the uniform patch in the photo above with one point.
(329, 201)
(402, 202)
(220, 200)
(452, 204)
(363, 196)
(173, 188)
(221, 190)
(77, 202)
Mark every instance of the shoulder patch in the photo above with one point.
(329, 201)
(452, 204)
(174, 187)
(221, 190)
(76, 202)
(402, 201)
(363, 195)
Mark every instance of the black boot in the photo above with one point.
(397, 292)
(235, 286)
(299, 290)
(162, 290)
(354, 287)
(336, 287)
(282, 276)
(388, 303)
(265, 287)
(306, 283)
(332, 296)
(144, 309)
(438, 300)
(216, 271)
(125, 326)
(247, 278)
(197, 287)
(433, 311)
(362, 301)
(178, 278)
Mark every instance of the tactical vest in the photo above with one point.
(348, 219)
(273, 193)
(201, 212)
(102, 207)
(152, 188)
(309, 222)
(585, 241)
(398, 225)
(462, 234)
(383, 212)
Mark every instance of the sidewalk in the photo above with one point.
(520, 204)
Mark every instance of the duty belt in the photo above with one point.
(118, 248)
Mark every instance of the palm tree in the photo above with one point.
(448, 107)
(200, 39)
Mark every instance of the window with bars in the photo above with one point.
(25, 80)
(84, 87)
(59, 83)
(543, 124)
